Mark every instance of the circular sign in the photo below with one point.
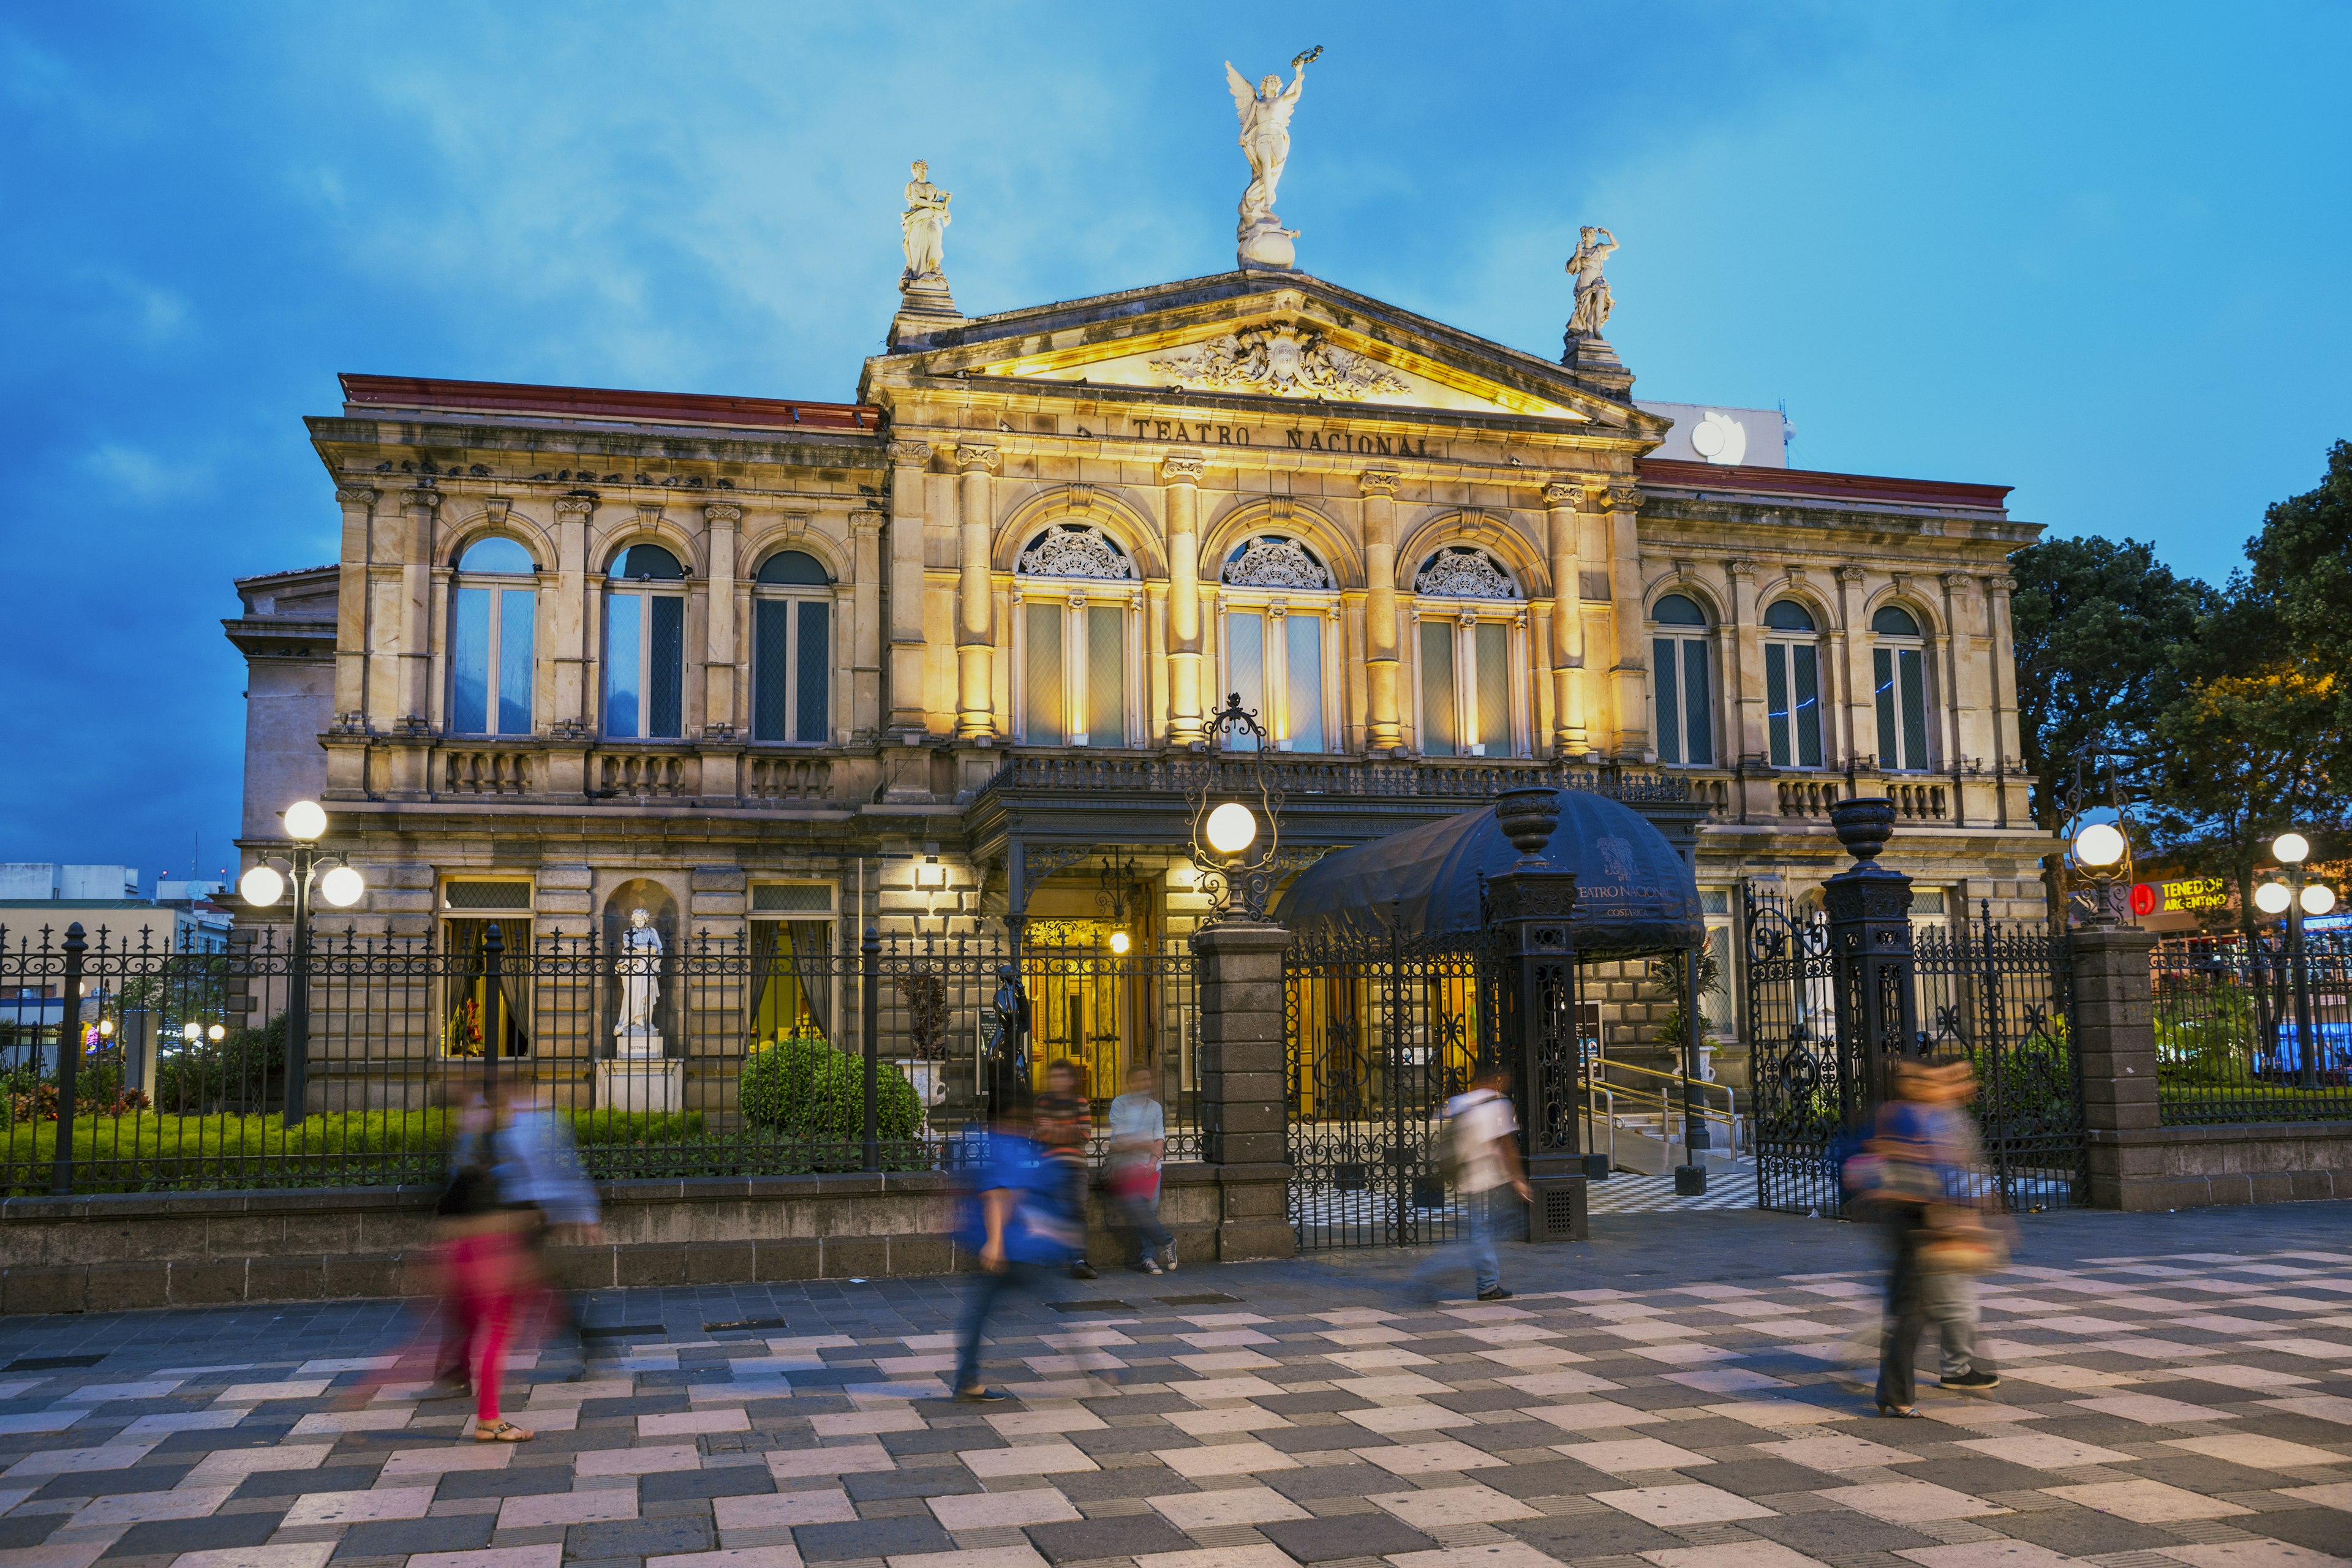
(2144, 900)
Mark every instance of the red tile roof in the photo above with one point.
(1834, 487)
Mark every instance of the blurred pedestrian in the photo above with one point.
(1064, 1123)
(485, 1271)
(539, 1172)
(1139, 1148)
(1918, 1173)
(1018, 1222)
(1483, 1154)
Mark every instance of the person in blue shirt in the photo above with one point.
(1017, 1221)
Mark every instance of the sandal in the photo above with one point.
(501, 1432)
(1903, 1412)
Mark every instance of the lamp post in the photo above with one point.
(1234, 847)
(342, 886)
(2294, 898)
(2101, 856)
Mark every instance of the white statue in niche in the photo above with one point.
(639, 967)
(1265, 112)
(924, 226)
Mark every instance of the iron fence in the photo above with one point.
(128, 1064)
(1997, 995)
(2229, 1042)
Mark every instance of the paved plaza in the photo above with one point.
(2179, 1390)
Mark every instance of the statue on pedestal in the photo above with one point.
(1593, 300)
(639, 967)
(923, 227)
(1265, 111)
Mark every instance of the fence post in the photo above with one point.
(1530, 907)
(2113, 1030)
(1869, 909)
(69, 1062)
(493, 946)
(1242, 1107)
(870, 1026)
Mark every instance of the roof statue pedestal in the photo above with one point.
(925, 305)
(1260, 242)
(1585, 352)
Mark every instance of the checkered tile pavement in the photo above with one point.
(2159, 1411)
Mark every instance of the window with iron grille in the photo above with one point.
(644, 646)
(1681, 683)
(492, 607)
(792, 652)
(1899, 664)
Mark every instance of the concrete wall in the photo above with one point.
(2206, 1167)
(288, 703)
(107, 1253)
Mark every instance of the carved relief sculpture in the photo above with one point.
(1260, 240)
(1461, 573)
(1270, 563)
(1078, 552)
(1283, 361)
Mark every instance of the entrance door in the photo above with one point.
(1087, 1003)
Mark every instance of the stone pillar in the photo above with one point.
(1180, 477)
(1383, 728)
(910, 461)
(2003, 652)
(351, 648)
(1743, 677)
(2112, 1026)
(573, 713)
(865, 639)
(1242, 1103)
(1569, 736)
(414, 658)
(1629, 681)
(1861, 719)
(975, 594)
(720, 716)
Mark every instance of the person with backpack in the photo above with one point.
(1482, 1156)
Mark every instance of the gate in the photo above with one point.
(1998, 996)
(1995, 996)
(1380, 1033)
(1809, 1082)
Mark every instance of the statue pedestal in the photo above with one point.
(1267, 247)
(925, 307)
(629, 1084)
(1592, 360)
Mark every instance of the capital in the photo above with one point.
(910, 454)
(2000, 584)
(1851, 575)
(1559, 495)
(1381, 482)
(422, 499)
(356, 495)
(977, 459)
(1740, 568)
(1625, 498)
(1183, 470)
(867, 520)
(1956, 582)
(574, 505)
(719, 513)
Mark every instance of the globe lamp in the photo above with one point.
(2318, 899)
(1231, 828)
(2272, 898)
(305, 819)
(343, 887)
(2100, 844)
(1118, 942)
(2290, 848)
(261, 887)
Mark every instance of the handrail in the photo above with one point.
(1670, 1106)
(1730, 1101)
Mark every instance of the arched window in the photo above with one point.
(1472, 640)
(644, 646)
(1075, 661)
(791, 649)
(1899, 664)
(493, 608)
(1793, 686)
(1679, 656)
(1280, 608)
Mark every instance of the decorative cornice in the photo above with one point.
(909, 454)
(977, 459)
(1380, 482)
(1562, 496)
(719, 512)
(1181, 471)
(356, 495)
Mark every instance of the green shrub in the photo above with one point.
(805, 1089)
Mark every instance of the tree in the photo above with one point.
(2299, 569)
(2100, 629)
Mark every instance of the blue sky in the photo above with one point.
(2096, 252)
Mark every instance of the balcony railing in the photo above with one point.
(1422, 778)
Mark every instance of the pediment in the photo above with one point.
(1292, 338)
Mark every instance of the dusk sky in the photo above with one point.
(2099, 253)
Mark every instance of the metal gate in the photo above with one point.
(1998, 996)
(1810, 1083)
(1379, 1035)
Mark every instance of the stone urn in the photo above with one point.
(1529, 817)
(1863, 826)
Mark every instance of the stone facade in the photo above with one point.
(1049, 539)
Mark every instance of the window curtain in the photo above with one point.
(812, 956)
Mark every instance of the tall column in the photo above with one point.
(1383, 730)
(1180, 477)
(1629, 681)
(975, 594)
(351, 628)
(908, 462)
(417, 509)
(1861, 719)
(866, 642)
(1745, 677)
(1569, 736)
(720, 719)
(573, 714)
(1241, 1104)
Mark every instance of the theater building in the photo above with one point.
(927, 659)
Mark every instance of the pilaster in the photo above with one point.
(1571, 737)
(1861, 738)
(352, 629)
(910, 461)
(571, 714)
(1744, 675)
(1383, 725)
(1629, 681)
(866, 636)
(721, 714)
(1179, 478)
(976, 594)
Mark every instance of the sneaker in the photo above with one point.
(1082, 1269)
(1496, 1294)
(1168, 1257)
(1150, 1265)
(982, 1395)
(1974, 1382)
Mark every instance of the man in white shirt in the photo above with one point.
(1487, 1153)
(1139, 1146)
